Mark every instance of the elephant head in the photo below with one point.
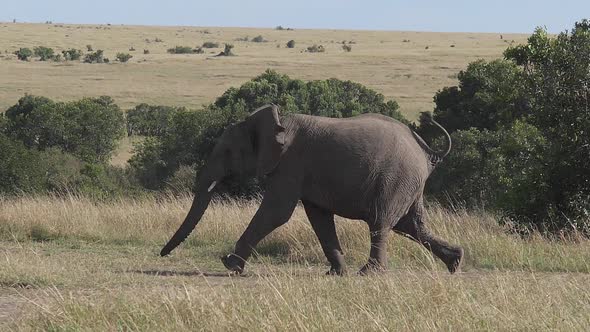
(253, 146)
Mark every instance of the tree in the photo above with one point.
(558, 82)
(489, 95)
(88, 128)
(149, 120)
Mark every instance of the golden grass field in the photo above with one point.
(404, 71)
(70, 264)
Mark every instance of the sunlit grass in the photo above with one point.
(75, 264)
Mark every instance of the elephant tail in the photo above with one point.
(435, 156)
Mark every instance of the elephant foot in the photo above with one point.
(233, 263)
(371, 268)
(454, 261)
(336, 272)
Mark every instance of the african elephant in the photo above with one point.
(368, 167)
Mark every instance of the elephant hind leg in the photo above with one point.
(413, 226)
(322, 222)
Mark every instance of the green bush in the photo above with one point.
(72, 54)
(520, 133)
(181, 50)
(149, 120)
(210, 44)
(24, 54)
(95, 57)
(19, 168)
(123, 57)
(291, 44)
(489, 95)
(44, 53)
(89, 128)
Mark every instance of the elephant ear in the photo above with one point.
(268, 137)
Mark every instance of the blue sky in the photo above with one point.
(417, 15)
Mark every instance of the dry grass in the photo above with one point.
(382, 60)
(71, 264)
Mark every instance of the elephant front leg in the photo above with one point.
(276, 208)
(322, 222)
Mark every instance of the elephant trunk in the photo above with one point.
(202, 198)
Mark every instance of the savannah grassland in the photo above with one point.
(74, 264)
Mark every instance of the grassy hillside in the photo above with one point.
(407, 66)
(69, 264)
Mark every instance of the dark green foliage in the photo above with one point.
(291, 44)
(210, 44)
(521, 143)
(24, 170)
(489, 95)
(89, 128)
(123, 57)
(331, 98)
(72, 54)
(24, 54)
(19, 168)
(95, 57)
(44, 53)
(149, 120)
(182, 50)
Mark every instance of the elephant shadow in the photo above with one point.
(171, 273)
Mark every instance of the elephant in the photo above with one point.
(368, 167)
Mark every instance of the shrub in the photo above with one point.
(227, 50)
(181, 50)
(44, 53)
(123, 57)
(347, 48)
(89, 128)
(316, 49)
(72, 54)
(24, 54)
(89, 48)
(95, 57)
(148, 120)
(291, 44)
(146, 51)
(489, 95)
(210, 44)
(19, 168)
(199, 50)
(258, 39)
(520, 132)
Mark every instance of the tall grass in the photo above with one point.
(94, 266)
(152, 221)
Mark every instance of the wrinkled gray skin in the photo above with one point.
(369, 167)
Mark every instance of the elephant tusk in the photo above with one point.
(212, 186)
